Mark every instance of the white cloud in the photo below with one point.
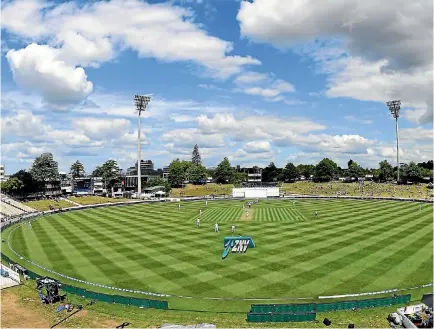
(418, 134)
(257, 147)
(97, 128)
(39, 68)
(398, 30)
(383, 59)
(250, 77)
(255, 127)
(24, 17)
(370, 81)
(91, 33)
(182, 118)
(187, 138)
(264, 85)
(23, 124)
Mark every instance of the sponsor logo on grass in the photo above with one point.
(238, 244)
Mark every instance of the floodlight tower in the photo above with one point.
(394, 107)
(141, 103)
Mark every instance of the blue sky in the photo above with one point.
(255, 81)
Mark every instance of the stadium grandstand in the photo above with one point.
(10, 208)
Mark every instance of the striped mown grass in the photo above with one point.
(350, 247)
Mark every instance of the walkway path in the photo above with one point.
(70, 201)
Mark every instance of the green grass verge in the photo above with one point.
(103, 314)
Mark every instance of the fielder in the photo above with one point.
(198, 222)
(316, 213)
(206, 203)
(216, 227)
(233, 228)
(30, 225)
(200, 212)
(179, 206)
(420, 207)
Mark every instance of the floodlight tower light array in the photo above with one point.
(141, 103)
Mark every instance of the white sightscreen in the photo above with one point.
(255, 192)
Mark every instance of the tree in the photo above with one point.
(109, 172)
(12, 186)
(290, 172)
(158, 181)
(98, 172)
(44, 170)
(77, 169)
(412, 172)
(271, 173)
(354, 170)
(196, 174)
(426, 165)
(177, 173)
(426, 172)
(30, 185)
(386, 171)
(325, 170)
(195, 158)
(239, 177)
(224, 172)
(306, 170)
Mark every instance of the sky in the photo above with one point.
(255, 81)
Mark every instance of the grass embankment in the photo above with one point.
(21, 308)
(202, 190)
(87, 200)
(43, 205)
(354, 189)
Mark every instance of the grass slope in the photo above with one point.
(354, 189)
(202, 190)
(43, 205)
(352, 246)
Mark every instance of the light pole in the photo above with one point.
(141, 102)
(394, 107)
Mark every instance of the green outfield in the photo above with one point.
(351, 247)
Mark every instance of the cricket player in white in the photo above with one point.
(200, 212)
(293, 203)
(179, 206)
(206, 203)
(316, 213)
(216, 227)
(30, 225)
(420, 206)
(198, 222)
(233, 228)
